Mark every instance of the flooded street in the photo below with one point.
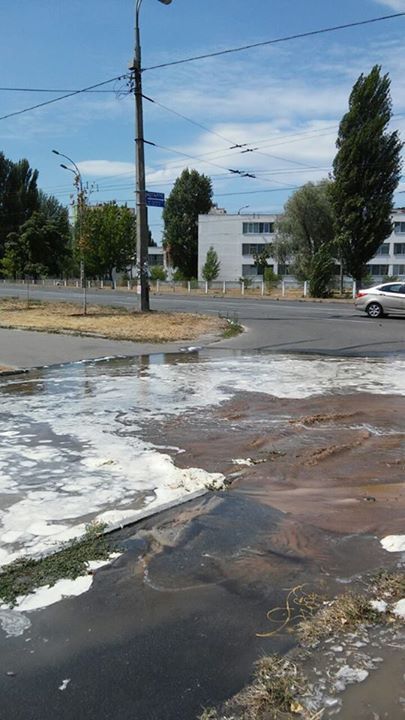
(311, 453)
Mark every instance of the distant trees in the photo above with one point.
(191, 196)
(306, 234)
(106, 239)
(19, 197)
(367, 169)
(34, 227)
(211, 266)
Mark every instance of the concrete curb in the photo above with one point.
(156, 510)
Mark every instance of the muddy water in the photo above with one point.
(193, 590)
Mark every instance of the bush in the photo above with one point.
(270, 278)
(246, 280)
(157, 272)
(390, 278)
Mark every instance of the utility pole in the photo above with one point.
(142, 234)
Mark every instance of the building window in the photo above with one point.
(398, 270)
(283, 269)
(384, 249)
(258, 228)
(399, 248)
(155, 260)
(250, 270)
(399, 227)
(377, 269)
(251, 249)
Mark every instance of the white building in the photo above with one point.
(237, 238)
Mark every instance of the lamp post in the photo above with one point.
(141, 211)
(242, 208)
(80, 203)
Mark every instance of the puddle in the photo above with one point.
(77, 442)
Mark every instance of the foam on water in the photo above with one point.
(70, 442)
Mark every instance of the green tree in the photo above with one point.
(306, 235)
(157, 272)
(37, 249)
(367, 169)
(18, 196)
(211, 266)
(108, 237)
(190, 197)
(261, 258)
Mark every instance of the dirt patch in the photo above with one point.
(109, 322)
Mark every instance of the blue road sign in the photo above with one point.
(154, 199)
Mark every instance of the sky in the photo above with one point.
(283, 101)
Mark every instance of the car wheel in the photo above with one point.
(374, 310)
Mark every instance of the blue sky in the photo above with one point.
(284, 100)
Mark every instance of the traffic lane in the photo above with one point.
(184, 303)
(340, 336)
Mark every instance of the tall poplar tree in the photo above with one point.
(190, 197)
(367, 169)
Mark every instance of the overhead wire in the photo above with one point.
(286, 38)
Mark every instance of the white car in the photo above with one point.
(380, 300)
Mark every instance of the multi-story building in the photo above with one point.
(238, 238)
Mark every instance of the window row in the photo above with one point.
(258, 228)
(399, 227)
(253, 248)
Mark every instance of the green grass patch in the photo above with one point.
(26, 574)
(233, 326)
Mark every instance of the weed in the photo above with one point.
(26, 574)
(388, 585)
(346, 613)
(233, 326)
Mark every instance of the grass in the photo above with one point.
(273, 693)
(109, 322)
(26, 574)
(389, 586)
(346, 613)
(232, 326)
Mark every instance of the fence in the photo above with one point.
(289, 287)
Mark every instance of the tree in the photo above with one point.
(367, 170)
(108, 239)
(211, 266)
(37, 249)
(18, 196)
(261, 258)
(190, 197)
(306, 234)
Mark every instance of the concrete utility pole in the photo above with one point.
(141, 211)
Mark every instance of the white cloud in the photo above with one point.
(107, 168)
(397, 5)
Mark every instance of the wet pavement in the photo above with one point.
(172, 625)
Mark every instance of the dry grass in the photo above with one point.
(4, 368)
(109, 322)
(344, 614)
(274, 694)
(389, 586)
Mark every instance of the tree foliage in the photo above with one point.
(18, 196)
(38, 248)
(306, 235)
(211, 266)
(367, 169)
(106, 239)
(262, 257)
(190, 197)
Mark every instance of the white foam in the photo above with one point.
(49, 595)
(13, 623)
(98, 462)
(394, 543)
(399, 609)
(379, 605)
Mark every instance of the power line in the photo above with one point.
(286, 38)
(61, 97)
(50, 90)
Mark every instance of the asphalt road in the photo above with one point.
(326, 328)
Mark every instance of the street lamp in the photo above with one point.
(80, 203)
(141, 211)
(242, 208)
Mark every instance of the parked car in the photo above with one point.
(380, 300)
